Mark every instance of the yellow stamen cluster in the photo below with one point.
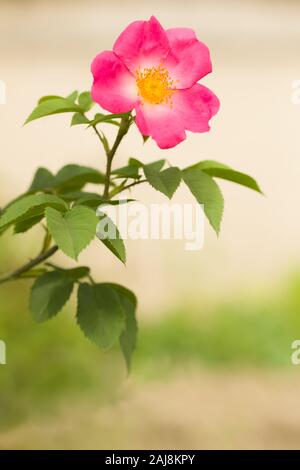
(155, 85)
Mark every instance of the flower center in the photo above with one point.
(155, 85)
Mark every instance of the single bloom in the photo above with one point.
(155, 72)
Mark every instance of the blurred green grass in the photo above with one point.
(241, 333)
(53, 363)
(50, 363)
(46, 363)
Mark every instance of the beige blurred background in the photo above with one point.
(46, 48)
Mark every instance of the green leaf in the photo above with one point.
(109, 234)
(76, 176)
(30, 206)
(49, 97)
(166, 181)
(236, 177)
(75, 195)
(76, 273)
(135, 162)
(49, 294)
(73, 96)
(207, 164)
(94, 201)
(85, 101)
(128, 337)
(69, 178)
(79, 118)
(72, 231)
(33, 273)
(90, 200)
(27, 224)
(53, 106)
(118, 189)
(43, 180)
(52, 290)
(117, 202)
(128, 171)
(219, 170)
(111, 121)
(131, 170)
(207, 192)
(99, 117)
(155, 166)
(100, 314)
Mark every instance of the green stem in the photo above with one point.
(47, 241)
(28, 266)
(102, 139)
(124, 188)
(124, 127)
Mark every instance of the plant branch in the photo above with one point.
(47, 252)
(28, 266)
(102, 139)
(46, 242)
(124, 127)
(129, 186)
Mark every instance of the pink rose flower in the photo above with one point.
(155, 72)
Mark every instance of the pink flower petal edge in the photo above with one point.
(163, 124)
(196, 106)
(142, 44)
(192, 110)
(188, 59)
(114, 86)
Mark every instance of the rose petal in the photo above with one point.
(114, 87)
(196, 106)
(142, 44)
(189, 59)
(162, 123)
